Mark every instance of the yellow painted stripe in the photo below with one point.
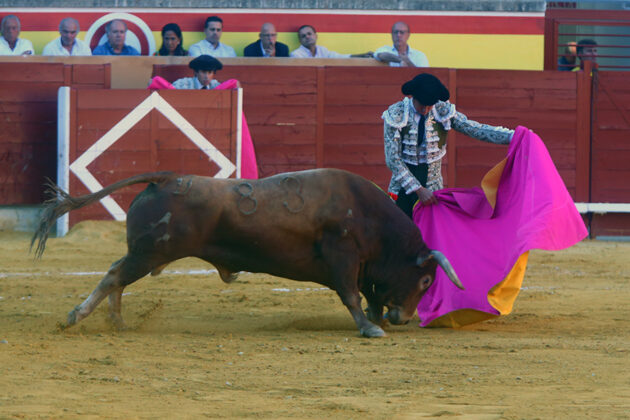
(482, 51)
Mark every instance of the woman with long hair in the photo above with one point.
(172, 41)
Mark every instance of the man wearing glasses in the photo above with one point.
(267, 46)
(401, 54)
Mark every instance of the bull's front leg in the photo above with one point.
(341, 255)
(353, 303)
(375, 313)
(374, 310)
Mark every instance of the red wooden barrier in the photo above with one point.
(545, 102)
(28, 123)
(115, 134)
(305, 117)
(610, 172)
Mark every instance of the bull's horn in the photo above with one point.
(447, 267)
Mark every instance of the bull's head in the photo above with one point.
(401, 313)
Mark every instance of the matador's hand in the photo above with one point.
(426, 197)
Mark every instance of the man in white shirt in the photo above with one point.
(67, 44)
(309, 48)
(211, 45)
(400, 54)
(10, 43)
(205, 68)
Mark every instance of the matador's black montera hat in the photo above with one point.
(205, 62)
(426, 89)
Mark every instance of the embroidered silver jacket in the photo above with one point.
(402, 145)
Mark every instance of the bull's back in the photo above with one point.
(279, 219)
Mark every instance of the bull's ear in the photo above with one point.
(425, 282)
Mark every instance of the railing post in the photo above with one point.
(451, 151)
(583, 133)
(551, 44)
(321, 98)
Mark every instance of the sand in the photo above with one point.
(269, 348)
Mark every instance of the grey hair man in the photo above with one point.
(267, 44)
(10, 41)
(67, 44)
(400, 54)
(116, 31)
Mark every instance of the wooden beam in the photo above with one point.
(451, 151)
(583, 134)
(321, 98)
(551, 44)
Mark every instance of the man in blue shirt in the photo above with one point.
(116, 31)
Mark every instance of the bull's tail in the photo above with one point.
(62, 203)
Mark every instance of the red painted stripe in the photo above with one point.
(361, 23)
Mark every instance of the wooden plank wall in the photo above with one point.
(544, 102)
(610, 171)
(152, 144)
(280, 104)
(28, 123)
(306, 117)
(352, 128)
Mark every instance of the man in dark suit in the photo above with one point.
(267, 46)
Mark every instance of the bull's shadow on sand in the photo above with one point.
(159, 317)
(313, 323)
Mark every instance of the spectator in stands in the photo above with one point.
(568, 61)
(587, 51)
(400, 54)
(309, 48)
(10, 42)
(267, 46)
(211, 45)
(172, 40)
(205, 68)
(67, 44)
(116, 33)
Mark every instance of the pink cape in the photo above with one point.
(488, 243)
(249, 167)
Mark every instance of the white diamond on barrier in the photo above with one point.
(154, 101)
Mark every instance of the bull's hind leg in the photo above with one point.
(122, 273)
(115, 316)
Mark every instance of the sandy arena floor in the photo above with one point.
(269, 348)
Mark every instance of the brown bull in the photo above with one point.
(326, 226)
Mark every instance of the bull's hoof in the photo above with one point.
(117, 322)
(373, 331)
(61, 326)
(227, 276)
(231, 278)
(72, 317)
